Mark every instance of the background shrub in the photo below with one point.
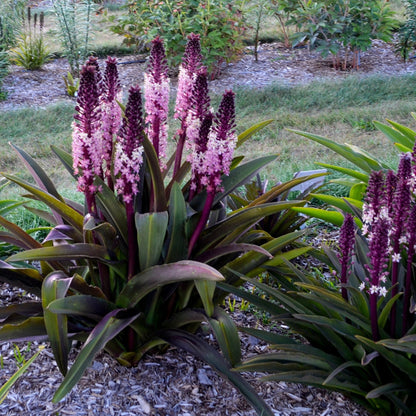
(219, 24)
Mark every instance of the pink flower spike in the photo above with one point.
(86, 141)
(110, 113)
(129, 150)
(156, 93)
(221, 142)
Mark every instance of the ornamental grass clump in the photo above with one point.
(135, 267)
(358, 337)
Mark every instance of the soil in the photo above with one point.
(276, 63)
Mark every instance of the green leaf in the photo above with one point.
(178, 247)
(64, 252)
(55, 286)
(385, 312)
(206, 289)
(5, 388)
(160, 203)
(398, 360)
(268, 336)
(340, 369)
(16, 313)
(108, 328)
(151, 232)
(239, 221)
(350, 172)
(245, 135)
(332, 217)
(41, 178)
(114, 210)
(351, 153)
(82, 305)
(32, 329)
(397, 133)
(26, 278)
(227, 335)
(206, 353)
(65, 211)
(385, 389)
(150, 279)
(22, 238)
(65, 158)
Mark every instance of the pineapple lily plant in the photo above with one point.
(358, 336)
(135, 267)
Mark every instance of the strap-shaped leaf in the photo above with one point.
(18, 312)
(108, 328)
(66, 159)
(160, 203)
(32, 329)
(352, 154)
(22, 238)
(206, 289)
(217, 252)
(398, 360)
(239, 221)
(332, 217)
(395, 135)
(245, 135)
(55, 286)
(151, 232)
(150, 279)
(346, 171)
(25, 278)
(40, 176)
(386, 389)
(226, 334)
(78, 251)
(178, 241)
(65, 211)
(206, 353)
(114, 211)
(82, 305)
(7, 205)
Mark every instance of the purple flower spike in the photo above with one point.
(191, 63)
(156, 92)
(86, 143)
(222, 141)
(379, 255)
(129, 151)
(346, 245)
(199, 108)
(93, 61)
(110, 113)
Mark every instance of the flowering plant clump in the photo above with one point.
(128, 271)
(361, 334)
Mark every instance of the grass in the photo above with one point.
(342, 111)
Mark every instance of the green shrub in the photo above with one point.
(339, 27)
(218, 22)
(407, 34)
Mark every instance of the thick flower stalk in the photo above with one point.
(217, 161)
(346, 245)
(156, 93)
(401, 203)
(128, 163)
(191, 64)
(379, 256)
(86, 139)
(411, 227)
(110, 115)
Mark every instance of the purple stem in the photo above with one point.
(202, 221)
(406, 301)
(373, 316)
(394, 290)
(179, 149)
(132, 240)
